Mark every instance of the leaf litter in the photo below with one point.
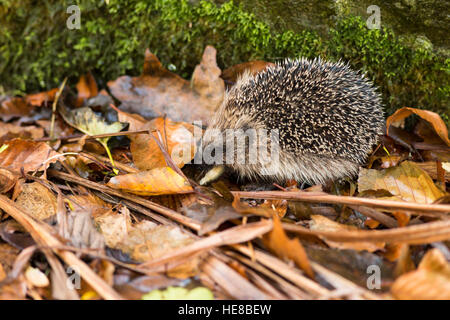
(138, 216)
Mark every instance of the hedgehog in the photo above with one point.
(327, 118)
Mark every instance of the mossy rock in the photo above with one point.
(37, 49)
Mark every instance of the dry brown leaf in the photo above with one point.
(14, 107)
(87, 88)
(37, 201)
(158, 92)
(177, 138)
(38, 99)
(31, 132)
(431, 280)
(145, 240)
(7, 180)
(60, 129)
(264, 211)
(158, 181)
(8, 255)
(135, 121)
(432, 169)
(321, 223)
(231, 74)
(406, 182)
(433, 118)
(280, 244)
(2, 273)
(26, 154)
(14, 290)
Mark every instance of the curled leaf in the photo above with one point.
(151, 183)
(431, 280)
(406, 182)
(433, 118)
(26, 154)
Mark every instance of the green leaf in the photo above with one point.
(85, 120)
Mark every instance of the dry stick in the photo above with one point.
(231, 281)
(340, 282)
(304, 283)
(241, 233)
(119, 165)
(290, 273)
(55, 102)
(416, 234)
(172, 214)
(43, 236)
(161, 219)
(376, 215)
(329, 198)
(74, 138)
(292, 291)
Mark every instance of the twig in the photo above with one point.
(329, 198)
(186, 221)
(43, 237)
(416, 234)
(55, 102)
(74, 138)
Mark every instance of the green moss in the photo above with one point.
(37, 50)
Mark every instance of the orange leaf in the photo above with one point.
(267, 209)
(177, 138)
(431, 280)
(37, 99)
(87, 88)
(151, 183)
(433, 118)
(279, 243)
(28, 154)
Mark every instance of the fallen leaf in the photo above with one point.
(158, 92)
(7, 180)
(231, 74)
(81, 231)
(280, 244)
(8, 255)
(266, 209)
(321, 223)
(26, 154)
(13, 290)
(177, 137)
(38, 99)
(87, 88)
(433, 118)
(60, 129)
(135, 121)
(37, 200)
(85, 120)
(30, 132)
(406, 182)
(14, 107)
(145, 241)
(158, 181)
(431, 280)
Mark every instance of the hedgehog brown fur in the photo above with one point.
(327, 115)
